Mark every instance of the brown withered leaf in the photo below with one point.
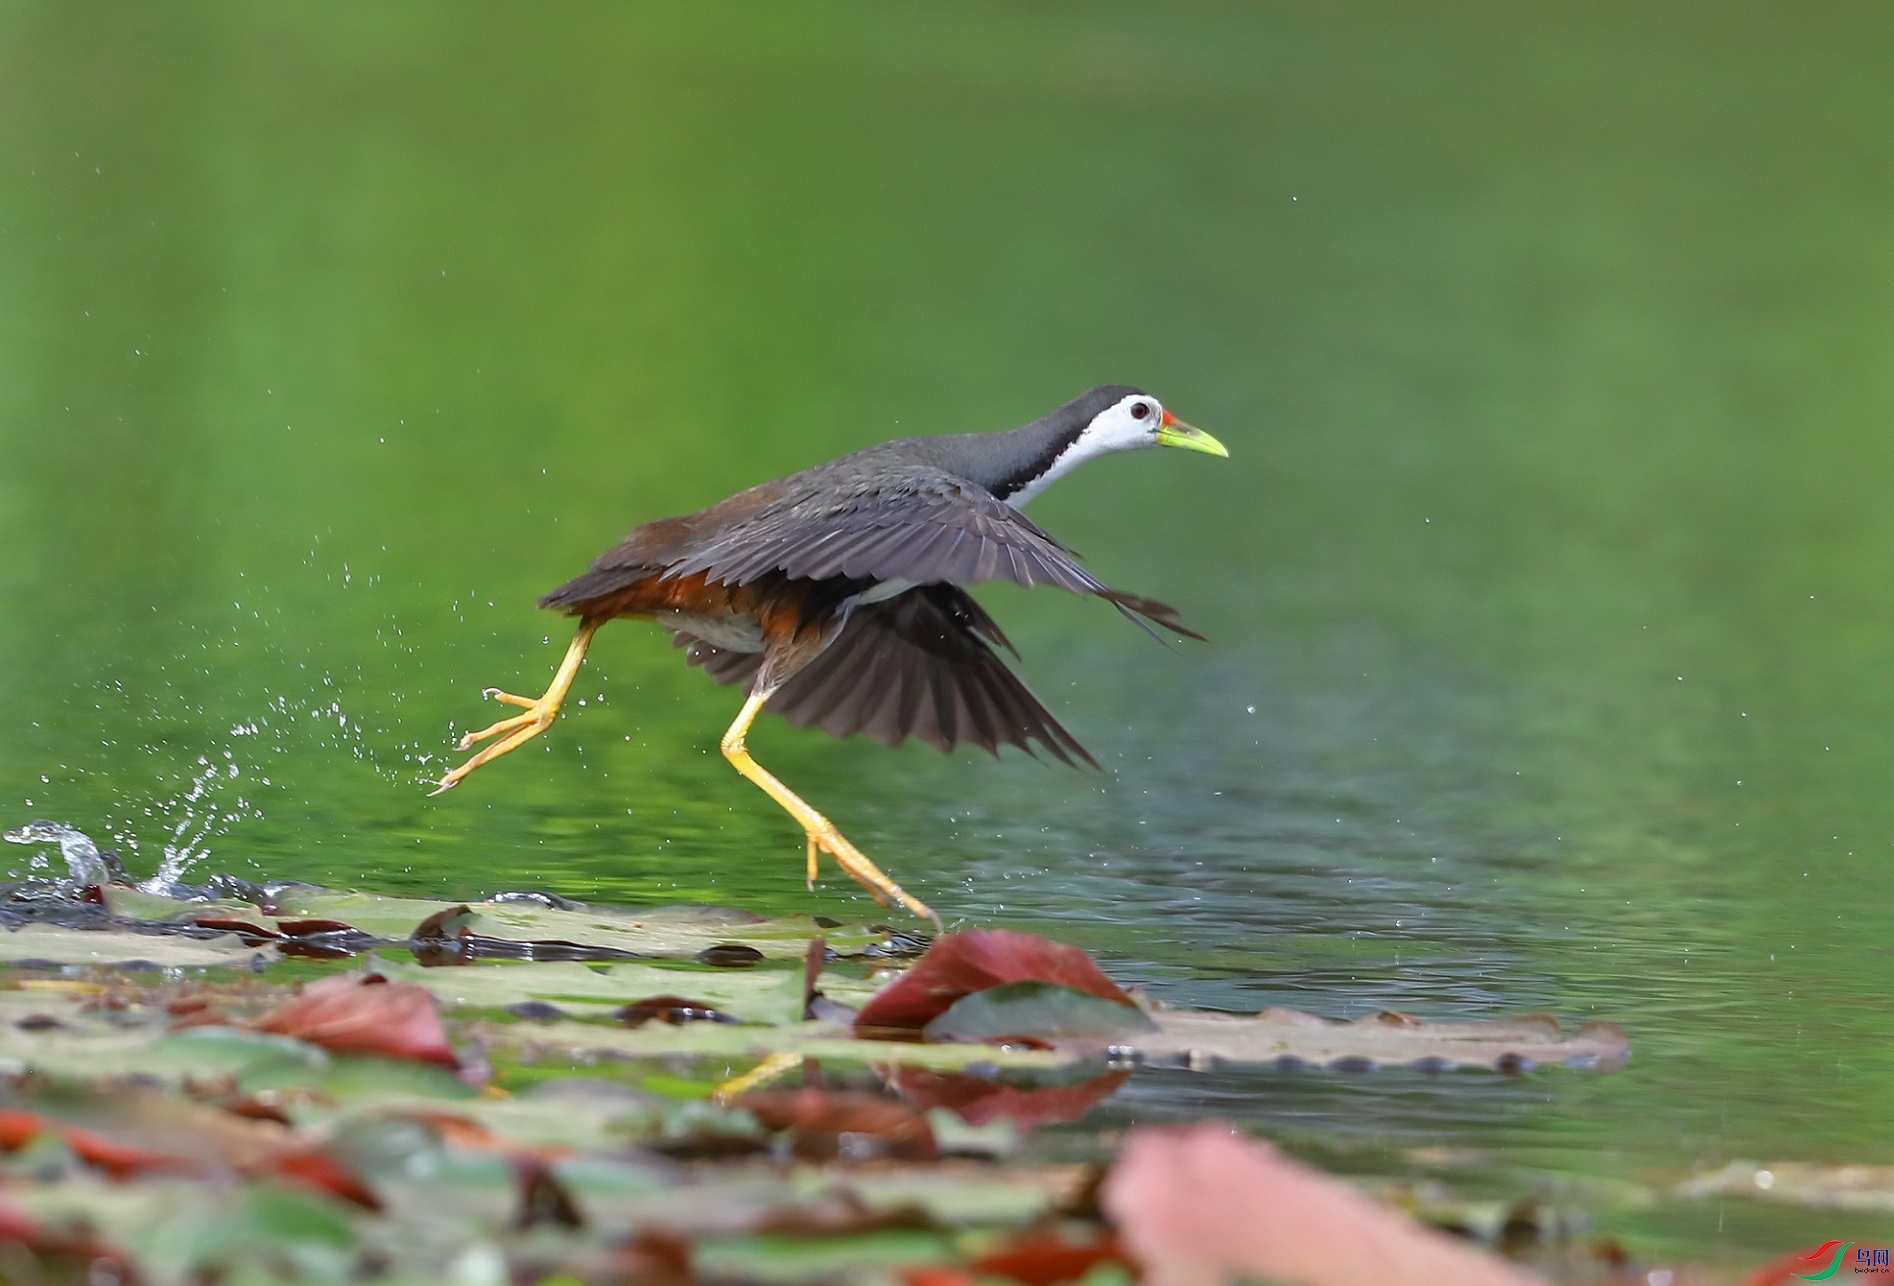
(981, 1100)
(825, 1125)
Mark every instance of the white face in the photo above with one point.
(1127, 424)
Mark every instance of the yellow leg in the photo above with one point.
(771, 1068)
(522, 728)
(822, 834)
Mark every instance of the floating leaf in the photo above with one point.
(57, 944)
(1194, 1038)
(1038, 1011)
(960, 964)
(354, 1015)
(750, 995)
(1801, 1183)
(825, 1042)
(670, 932)
(1045, 1258)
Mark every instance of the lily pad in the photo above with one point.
(1801, 1183)
(825, 1041)
(657, 932)
(55, 943)
(748, 995)
(1039, 1011)
(1192, 1038)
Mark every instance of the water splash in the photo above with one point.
(199, 819)
(84, 864)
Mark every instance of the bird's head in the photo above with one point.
(1111, 418)
(1129, 418)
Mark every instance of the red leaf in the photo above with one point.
(314, 1168)
(15, 1224)
(16, 1129)
(253, 935)
(959, 964)
(116, 1159)
(1199, 1206)
(978, 1100)
(653, 1259)
(350, 1016)
(1046, 1259)
(309, 928)
(122, 1161)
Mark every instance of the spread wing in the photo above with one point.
(933, 528)
(921, 664)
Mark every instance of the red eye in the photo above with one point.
(1140, 409)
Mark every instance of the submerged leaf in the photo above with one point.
(981, 1100)
(824, 1125)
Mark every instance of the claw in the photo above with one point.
(517, 730)
(821, 835)
(539, 715)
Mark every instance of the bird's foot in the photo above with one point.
(857, 867)
(773, 1067)
(513, 732)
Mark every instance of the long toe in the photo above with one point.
(857, 867)
(512, 724)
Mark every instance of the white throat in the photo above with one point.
(1112, 430)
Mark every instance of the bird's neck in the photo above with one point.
(1020, 463)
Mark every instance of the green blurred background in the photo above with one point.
(1546, 584)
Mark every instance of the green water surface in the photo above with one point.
(1552, 649)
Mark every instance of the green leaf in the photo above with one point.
(106, 947)
(1039, 1010)
(758, 996)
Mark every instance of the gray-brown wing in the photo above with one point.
(922, 665)
(931, 528)
(720, 663)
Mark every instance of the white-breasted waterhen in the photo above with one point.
(837, 595)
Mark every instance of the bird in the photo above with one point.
(838, 597)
